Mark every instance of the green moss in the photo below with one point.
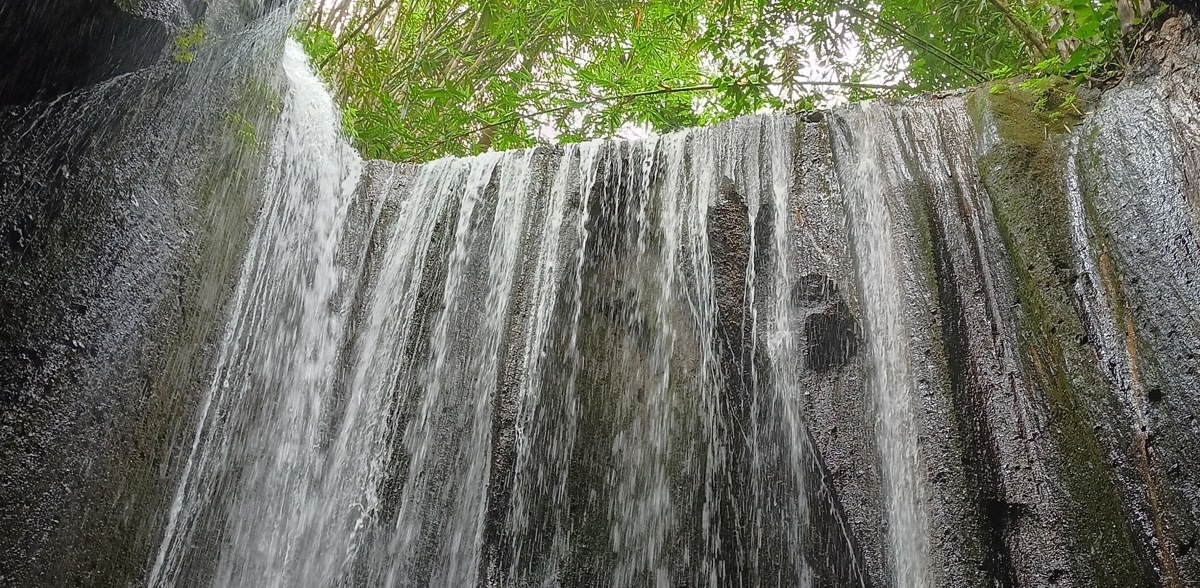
(255, 100)
(1023, 177)
(188, 41)
(1029, 110)
(923, 219)
(257, 93)
(130, 6)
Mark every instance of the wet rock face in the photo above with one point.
(831, 332)
(1099, 226)
(52, 47)
(126, 206)
(1185, 6)
(729, 234)
(1137, 174)
(754, 394)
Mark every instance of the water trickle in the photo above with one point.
(870, 192)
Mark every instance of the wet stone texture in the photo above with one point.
(124, 213)
(1073, 210)
(55, 46)
(827, 314)
(831, 333)
(988, 424)
(1137, 174)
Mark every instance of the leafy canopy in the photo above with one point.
(419, 79)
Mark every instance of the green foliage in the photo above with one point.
(439, 71)
(128, 5)
(244, 131)
(418, 79)
(188, 41)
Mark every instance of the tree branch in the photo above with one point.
(642, 94)
(942, 54)
(1034, 38)
(358, 29)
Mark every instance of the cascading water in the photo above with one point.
(541, 367)
(256, 468)
(867, 187)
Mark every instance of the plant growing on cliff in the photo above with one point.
(422, 78)
(188, 41)
(1049, 103)
(244, 131)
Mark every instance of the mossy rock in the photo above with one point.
(1023, 173)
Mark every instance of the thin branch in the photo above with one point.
(1034, 38)
(942, 54)
(362, 25)
(337, 14)
(642, 94)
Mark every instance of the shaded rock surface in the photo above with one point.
(126, 207)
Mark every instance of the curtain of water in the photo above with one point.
(537, 368)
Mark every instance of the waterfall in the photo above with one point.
(528, 368)
(256, 465)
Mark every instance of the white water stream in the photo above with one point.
(513, 370)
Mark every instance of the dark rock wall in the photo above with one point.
(1049, 446)
(1135, 163)
(828, 313)
(55, 46)
(125, 209)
